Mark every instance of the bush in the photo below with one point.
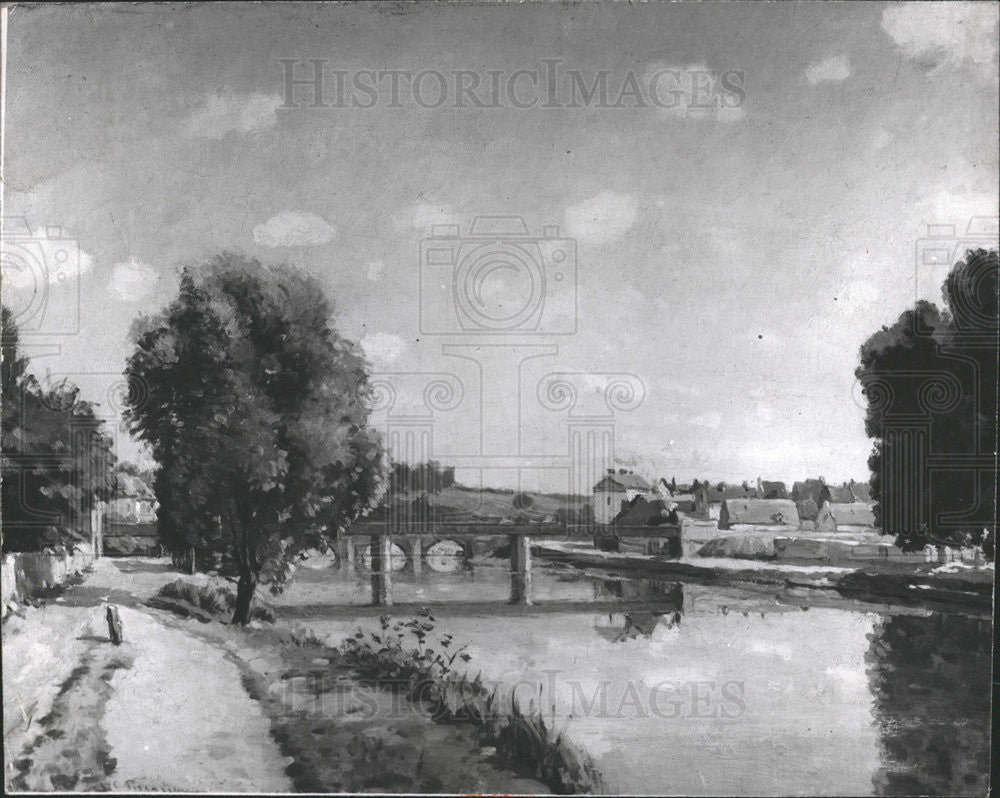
(522, 501)
(215, 599)
(426, 673)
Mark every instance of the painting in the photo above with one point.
(499, 398)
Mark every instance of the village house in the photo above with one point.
(845, 517)
(809, 496)
(643, 512)
(840, 494)
(684, 503)
(771, 490)
(758, 515)
(617, 489)
(710, 498)
(861, 491)
(134, 501)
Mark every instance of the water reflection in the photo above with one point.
(695, 689)
(638, 623)
(446, 557)
(930, 680)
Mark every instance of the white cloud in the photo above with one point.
(602, 219)
(132, 280)
(859, 295)
(708, 420)
(853, 680)
(294, 229)
(938, 34)
(882, 139)
(382, 349)
(695, 92)
(736, 114)
(771, 649)
(832, 70)
(958, 207)
(765, 412)
(221, 113)
(671, 385)
(33, 258)
(424, 215)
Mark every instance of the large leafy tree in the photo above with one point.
(256, 412)
(57, 456)
(930, 381)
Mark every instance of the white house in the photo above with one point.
(616, 489)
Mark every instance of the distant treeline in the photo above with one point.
(432, 477)
(563, 497)
(429, 477)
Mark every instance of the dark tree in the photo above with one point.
(523, 501)
(57, 457)
(930, 381)
(429, 477)
(256, 413)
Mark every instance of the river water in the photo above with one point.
(714, 690)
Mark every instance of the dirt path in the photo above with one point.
(166, 710)
(179, 718)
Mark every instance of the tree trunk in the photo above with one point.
(245, 588)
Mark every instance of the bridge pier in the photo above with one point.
(416, 556)
(381, 548)
(345, 552)
(520, 570)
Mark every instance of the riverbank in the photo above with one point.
(386, 712)
(83, 714)
(923, 583)
(287, 712)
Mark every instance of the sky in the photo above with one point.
(750, 197)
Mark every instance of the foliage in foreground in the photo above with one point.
(401, 655)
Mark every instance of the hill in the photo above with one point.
(459, 503)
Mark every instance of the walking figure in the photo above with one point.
(114, 625)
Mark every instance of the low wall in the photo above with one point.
(972, 555)
(842, 551)
(695, 533)
(26, 573)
